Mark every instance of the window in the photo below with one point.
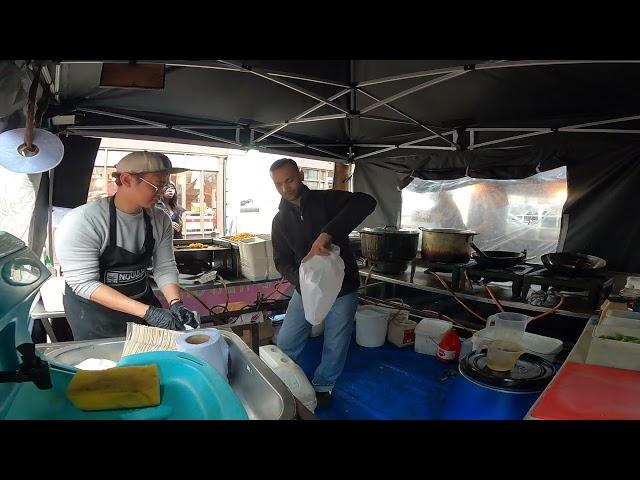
(197, 194)
(102, 183)
(510, 215)
(317, 179)
(196, 190)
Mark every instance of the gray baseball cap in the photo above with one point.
(146, 162)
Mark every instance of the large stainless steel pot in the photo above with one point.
(446, 245)
(389, 249)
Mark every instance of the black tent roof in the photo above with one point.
(345, 110)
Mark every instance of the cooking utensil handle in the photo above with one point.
(480, 252)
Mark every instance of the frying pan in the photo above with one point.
(573, 264)
(499, 259)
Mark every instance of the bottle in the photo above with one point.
(449, 347)
(49, 264)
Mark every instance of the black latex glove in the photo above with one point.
(185, 316)
(161, 318)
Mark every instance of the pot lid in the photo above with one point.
(390, 230)
(448, 230)
(530, 373)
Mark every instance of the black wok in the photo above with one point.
(499, 259)
(573, 264)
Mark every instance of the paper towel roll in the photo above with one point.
(208, 345)
(49, 154)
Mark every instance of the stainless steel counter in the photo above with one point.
(261, 392)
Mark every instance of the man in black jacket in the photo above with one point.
(307, 223)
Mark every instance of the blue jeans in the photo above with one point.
(338, 327)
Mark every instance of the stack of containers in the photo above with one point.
(256, 258)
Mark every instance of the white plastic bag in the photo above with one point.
(320, 282)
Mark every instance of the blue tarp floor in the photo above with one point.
(383, 383)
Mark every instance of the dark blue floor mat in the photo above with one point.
(384, 383)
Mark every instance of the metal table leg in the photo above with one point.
(255, 337)
(48, 327)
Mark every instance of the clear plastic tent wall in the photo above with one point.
(508, 215)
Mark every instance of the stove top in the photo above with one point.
(514, 274)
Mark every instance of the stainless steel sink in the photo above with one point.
(261, 392)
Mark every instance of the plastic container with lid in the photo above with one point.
(633, 282)
(429, 332)
(545, 347)
(609, 352)
(402, 331)
(621, 318)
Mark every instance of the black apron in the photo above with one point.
(121, 270)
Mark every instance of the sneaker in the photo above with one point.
(324, 399)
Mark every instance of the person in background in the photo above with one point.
(445, 213)
(488, 212)
(169, 203)
(307, 223)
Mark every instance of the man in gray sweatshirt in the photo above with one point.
(105, 248)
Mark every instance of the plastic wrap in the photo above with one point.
(511, 215)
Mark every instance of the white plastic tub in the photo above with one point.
(621, 318)
(429, 332)
(633, 282)
(614, 353)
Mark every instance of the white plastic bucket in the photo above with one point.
(371, 326)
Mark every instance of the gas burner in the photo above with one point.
(455, 269)
(598, 286)
(513, 274)
(521, 269)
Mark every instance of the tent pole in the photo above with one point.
(415, 89)
(299, 116)
(407, 116)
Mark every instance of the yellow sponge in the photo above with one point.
(114, 388)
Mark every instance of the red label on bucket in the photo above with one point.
(409, 336)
